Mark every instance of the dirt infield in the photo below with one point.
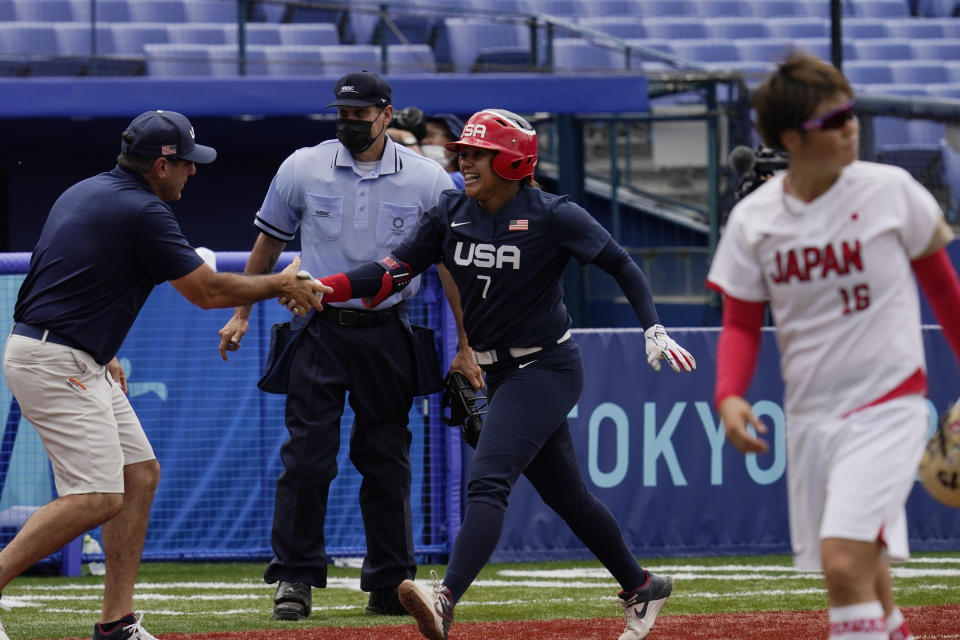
(928, 623)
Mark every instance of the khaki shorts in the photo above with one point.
(850, 477)
(83, 418)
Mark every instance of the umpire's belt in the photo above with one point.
(358, 317)
(484, 358)
(43, 335)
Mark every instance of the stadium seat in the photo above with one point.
(779, 9)
(798, 27)
(266, 32)
(708, 50)
(946, 90)
(937, 8)
(413, 28)
(269, 12)
(224, 62)
(896, 89)
(410, 58)
(73, 39)
(889, 131)
(339, 59)
(107, 10)
(664, 8)
(28, 38)
(819, 8)
(166, 11)
(577, 54)
(7, 13)
(212, 11)
(764, 49)
(170, 60)
(914, 28)
(129, 37)
(558, 8)
(949, 26)
(501, 7)
(863, 28)
(625, 27)
(203, 33)
(925, 131)
(738, 28)
(674, 28)
(945, 49)
(294, 60)
(951, 178)
(306, 33)
(44, 10)
(822, 48)
(868, 72)
(880, 8)
(883, 49)
(724, 9)
(324, 13)
(919, 71)
(609, 8)
(462, 41)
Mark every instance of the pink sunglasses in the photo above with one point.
(833, 119)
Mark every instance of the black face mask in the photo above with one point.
(355, 134)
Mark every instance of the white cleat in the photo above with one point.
(641, 606)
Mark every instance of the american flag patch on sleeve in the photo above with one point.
(518, 225)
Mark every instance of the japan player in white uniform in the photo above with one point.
(833, 244)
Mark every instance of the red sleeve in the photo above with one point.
(939, 282)
(738, 347)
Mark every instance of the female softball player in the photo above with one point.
(830, 244)
(506, 243)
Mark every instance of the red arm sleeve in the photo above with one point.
(940, 285)
(738, 347)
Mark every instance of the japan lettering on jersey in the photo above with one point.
(837, 275)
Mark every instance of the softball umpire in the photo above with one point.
(506, 243)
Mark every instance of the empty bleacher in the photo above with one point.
(39, 36)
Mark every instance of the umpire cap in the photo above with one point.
(361, 89)
(156, 134)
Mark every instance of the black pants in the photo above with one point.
(375, 364)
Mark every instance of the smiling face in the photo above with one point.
(480, 180)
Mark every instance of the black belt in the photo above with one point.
(358, 317)
(30, 331)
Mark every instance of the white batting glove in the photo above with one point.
(661, 346)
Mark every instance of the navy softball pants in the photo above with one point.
(526, 431)
(375, 364)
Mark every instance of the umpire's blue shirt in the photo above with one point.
(347, 218)
(107, 242)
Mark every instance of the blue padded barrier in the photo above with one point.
(218, 437)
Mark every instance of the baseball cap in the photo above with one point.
(164, 133)
(452, 122)
(361, 89)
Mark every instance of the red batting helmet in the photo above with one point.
(512, 137)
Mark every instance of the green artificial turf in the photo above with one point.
(203, 597)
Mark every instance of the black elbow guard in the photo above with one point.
(397, 276)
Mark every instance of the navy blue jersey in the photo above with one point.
(507, 266)
(107, 242)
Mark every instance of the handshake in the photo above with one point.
(296, 301)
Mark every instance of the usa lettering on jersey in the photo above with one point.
(809, 262)
(485, 255)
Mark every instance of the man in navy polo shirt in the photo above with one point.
(107, 241)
